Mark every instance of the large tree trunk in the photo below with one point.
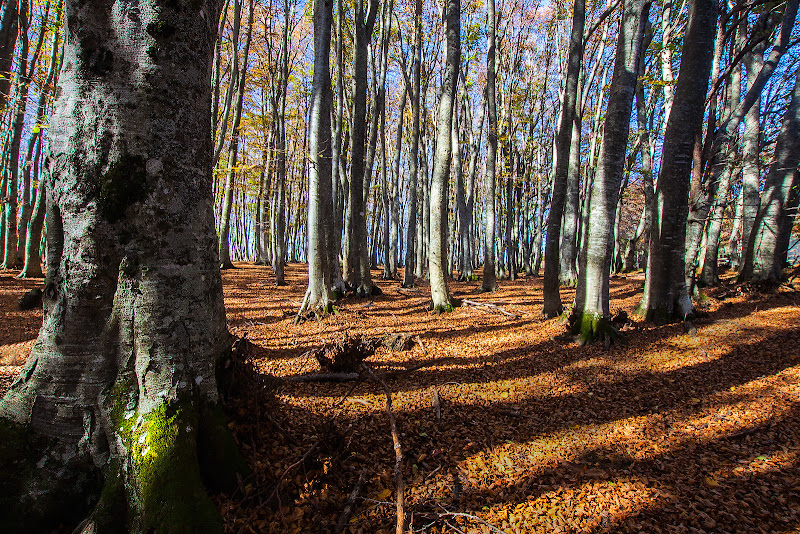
(552, 254)
(666, 295)
(437, 253)
(769, 240)
(117, 406)
(592, 296)
(320, 205)
(356, 270)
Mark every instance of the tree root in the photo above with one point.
(590, 327)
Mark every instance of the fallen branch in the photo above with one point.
(347, 377)
(489, 307)
(351, 500)
(398, 454)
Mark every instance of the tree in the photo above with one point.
(489, 276)
(665, 294)
(356, 270)
(320, 205)
(551, 294)
(413, 172)
(116, 413)
(437, 255)
(769, 240)
(592, 311)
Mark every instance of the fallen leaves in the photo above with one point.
(680, 431)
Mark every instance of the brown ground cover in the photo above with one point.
(681, 430)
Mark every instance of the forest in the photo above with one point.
(411, 266)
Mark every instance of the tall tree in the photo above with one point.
(769, 240)
(490, 247)
(665, 294)
(116, 412)
(238, 76)
(552, 255)
(356, 269)
(441, 300)
(592, 310)
(413, 167)
(319, 296)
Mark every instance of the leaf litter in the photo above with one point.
(505, 424)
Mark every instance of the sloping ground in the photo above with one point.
(682, 430)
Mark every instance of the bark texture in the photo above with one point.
(437, 255)
(592, 295)
(117, 402)
(666, 295)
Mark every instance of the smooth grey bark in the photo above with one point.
(552, 255)
(116, 412)
(278, 104)
(751, 155)
(413, 164)
(568, 271)
(394, 223)
(489, 282)
(239, 74)
(437, 253)
(337, 161)
(319, 296)
(356, 267)
(592, 309)
(769, 240)
(709, 275)
(666, 295)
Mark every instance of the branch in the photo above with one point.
(398, 453)
(351, 500)
(489, 306)
(593, 28)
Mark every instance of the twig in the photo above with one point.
(398, 453)
(489, 306)
(351, 500)
(419, 340)
(473, 517)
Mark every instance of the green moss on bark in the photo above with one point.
(590, 327)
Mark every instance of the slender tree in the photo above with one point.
(490, 247)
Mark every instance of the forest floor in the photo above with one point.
(687, 428)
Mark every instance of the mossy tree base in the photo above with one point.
(444, 308)
(590, 327)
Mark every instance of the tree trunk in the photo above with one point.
(413, 164)
(437, 253)
(357, 257)
(552, 257)
(8, 41)
(239, 74)
(751, 154)
(769, 240)
(666, 295)
(117, 407)
(490, 246)
(592, 310)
